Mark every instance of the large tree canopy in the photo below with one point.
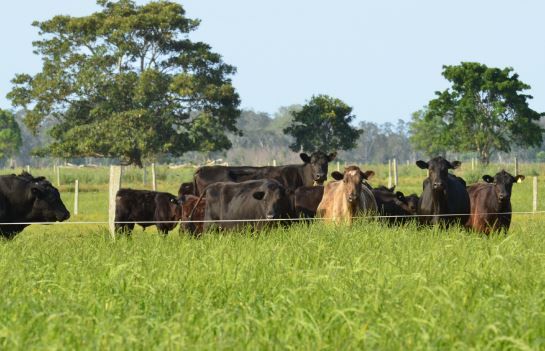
(323, 124)
(126, 82)
(10, 134)
(484, 111)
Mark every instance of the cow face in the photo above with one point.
(438, 171)
(412, 203)
(503, 185)
(353, 179)
(47, 204)
(318, 162)
(273, 200)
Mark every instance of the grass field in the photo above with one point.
(304, 287)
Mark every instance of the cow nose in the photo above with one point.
(270, 216)
(438, 185)
(502, 197)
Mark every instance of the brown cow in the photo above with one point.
(188, 204)
(491, 203)
(345, 198)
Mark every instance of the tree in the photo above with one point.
(484, 111)
(323, 124)
(429, 133)
(126, 82)
(10, 134)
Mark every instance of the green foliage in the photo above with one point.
(323, 124)
(126, 83)
(10, 134)
(483, 111)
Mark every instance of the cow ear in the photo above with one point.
(259, 195)
(421, 164)
(455, 164)
(519, 178)
(332, 156)
(488, 178)
(304, 157)
(337, 175)
(367, 174)
(392, 189)
(400, 196)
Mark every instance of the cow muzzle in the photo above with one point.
(62, 216)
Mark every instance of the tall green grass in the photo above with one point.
(368, 286)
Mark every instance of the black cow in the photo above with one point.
(145, 207)
(186, 189)
(491, 203)
(314, 170)
(307, 199)
(392, 203)
(262, 200)
(443, 194)
(24, 198)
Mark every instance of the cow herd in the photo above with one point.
(222, 197)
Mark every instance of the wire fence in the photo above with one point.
(274, 219)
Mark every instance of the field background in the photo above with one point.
(303, 287)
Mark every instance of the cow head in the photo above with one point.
(47, 205)
(318, 162)
(353, 179)
(186, 189)
(503, 185)
(438, 171)
(412, 203)
(273, 199)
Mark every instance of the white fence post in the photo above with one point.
(153, 178)
(389, 173)
(516, 166)
(28, 168)
(338, 166)
(76, 197)
(58, 172)
(274, 163)
(534, 202)
(115, 185)
(395, 172)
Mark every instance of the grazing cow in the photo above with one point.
(186, 189)
(24, 198)
(263, 200)
(307, 199)
(144, 207)
(443, 194)
(344, 198)
(314, 170)
(491, 203)
(394, 204)
(188, 203)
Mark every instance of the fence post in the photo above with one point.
(534, 202)
(28, 168)
(274, 163)
(389, 173)
(473, 163)
(115, 185)
(338, 166)
(395, 172)
(58, 171)
(76, 197)
(516, 166)
(153, 178)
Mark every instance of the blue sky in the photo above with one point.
(384, 58)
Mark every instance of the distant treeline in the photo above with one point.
(263, 141)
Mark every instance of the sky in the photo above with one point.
(383, 58)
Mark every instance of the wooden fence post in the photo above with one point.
(338, 166)
(389, 173)
(28, 168)
(516, 166)
(153, 178)
(115, 185)
(534, 202)
(395, 172)
(76, 197)
(58, 173)
(274, 163)
(473, 163)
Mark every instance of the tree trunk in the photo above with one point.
(485, 157)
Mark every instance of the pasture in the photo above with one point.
(368, 286)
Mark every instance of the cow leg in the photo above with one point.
(124, 228)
